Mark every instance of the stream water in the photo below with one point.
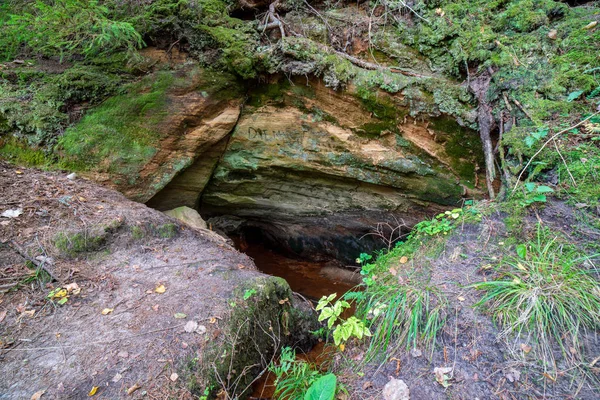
(304, 277)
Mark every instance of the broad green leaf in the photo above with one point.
(574, 95)
(322, 389)
(530, 186)
(522, 250)
(544, 189)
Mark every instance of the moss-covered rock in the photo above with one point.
(140, 140)
(265, 316)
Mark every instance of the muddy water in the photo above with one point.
(303, 276)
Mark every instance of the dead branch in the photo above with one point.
(38, 264)
(389, 233)
(479, 87)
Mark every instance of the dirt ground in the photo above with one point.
(481, 364)
(134, 279)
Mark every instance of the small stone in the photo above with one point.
(191, 326)
(416, 353)
(117, 378)
(123, 354)
(174, 377)
(553, 34)
(72, 176)
(396, 389)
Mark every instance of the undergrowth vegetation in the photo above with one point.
(547, 295)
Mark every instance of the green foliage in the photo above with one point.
(121, 134)
(534, 193)
(65, 28)
(293, 377)
(345, 328)
(547, 294)
(442, 223)
(249, 293)
(322, 389)
(71, 244)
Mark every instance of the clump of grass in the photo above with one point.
(548, 294)
(402, 307)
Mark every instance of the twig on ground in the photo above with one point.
(38, 264)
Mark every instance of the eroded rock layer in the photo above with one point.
(315, 169)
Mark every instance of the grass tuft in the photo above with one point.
(548, 295)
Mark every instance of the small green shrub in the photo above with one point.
(293, 377)
(344, 328)
(546, 294)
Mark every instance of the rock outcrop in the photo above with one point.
(315, 169)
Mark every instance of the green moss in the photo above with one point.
(137, 232)
(271, 308)
(71, 244)
(462, 145)
(167, 231)
(18, 153)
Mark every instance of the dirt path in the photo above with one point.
(149, 274)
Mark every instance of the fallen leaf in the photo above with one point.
(241, 266)
(14, 213)
(133, 389)
(2, 315)
(367, 385)
(403, 260)
(123, 354)
(212, 320)
(174, 377)
(393, 271)
(38, 395)
(155, 307)
(93, 391)
(526, 348)
(180, 315)
(553, 34)
(160, 289)
(460, 298)
(342, 347)
(441, 375)
(18, 172)
(29, 313)
(591, 25)
(107, 311)
(553, 379)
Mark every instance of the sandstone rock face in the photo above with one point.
(199, 110)
(313, 167)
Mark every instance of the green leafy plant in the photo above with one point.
(534, 137)
(545, 294)
(442, 223)
(535, 194)
(322, 389)
(344, 328)
(293, 377)
(249, 293)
